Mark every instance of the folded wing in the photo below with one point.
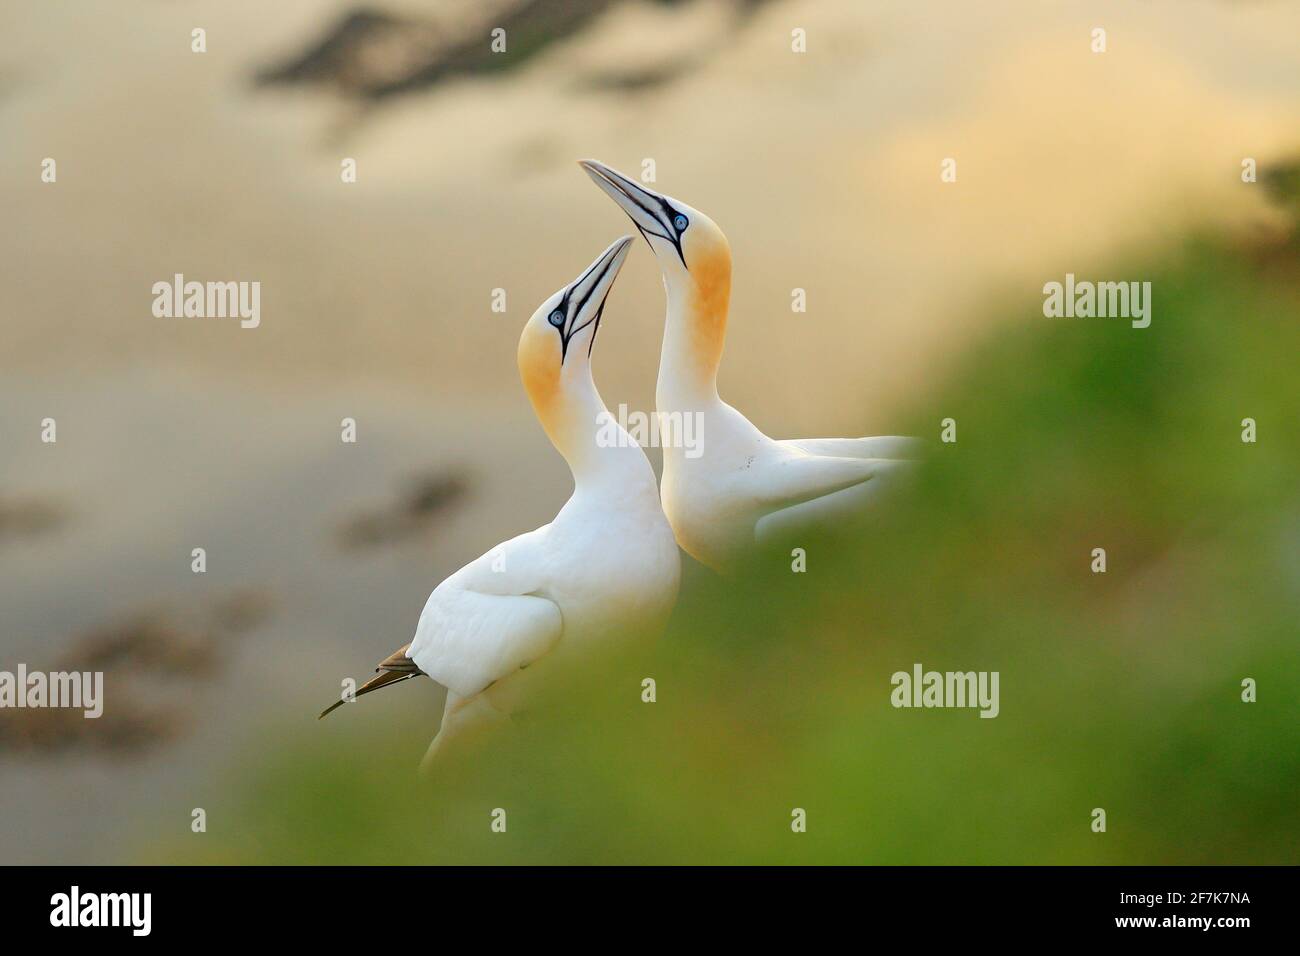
(466, 640)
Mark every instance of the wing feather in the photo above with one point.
(466, 640)
(880, 446)
(796, 477)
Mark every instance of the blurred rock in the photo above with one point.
(427, 497)
(372, 54)
(125, 727)
(142, 658)
(23, 518)
(146, 643)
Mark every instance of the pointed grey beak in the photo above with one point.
(649, 212)
(584, 302)
(593, 285)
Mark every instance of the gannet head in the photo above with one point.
(688, 244)
(695, 260)
(555, 347)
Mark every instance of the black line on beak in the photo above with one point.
(666, 210)
(605, 263)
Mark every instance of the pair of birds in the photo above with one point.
(608, 566)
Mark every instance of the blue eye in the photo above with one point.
(680, 222)
(557, 318)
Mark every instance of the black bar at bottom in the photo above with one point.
(346, 905)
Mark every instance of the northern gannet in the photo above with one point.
(606, 568)
(743, 487)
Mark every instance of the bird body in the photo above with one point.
(605, 569)
(742, 487)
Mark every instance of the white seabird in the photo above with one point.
(606, 568)
(742, 486)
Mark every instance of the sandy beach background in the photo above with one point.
(823, 168)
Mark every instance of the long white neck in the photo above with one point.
(604, 459)
(694, 331)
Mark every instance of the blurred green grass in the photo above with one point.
(1118, 690)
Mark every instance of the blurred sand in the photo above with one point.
(823, 168)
